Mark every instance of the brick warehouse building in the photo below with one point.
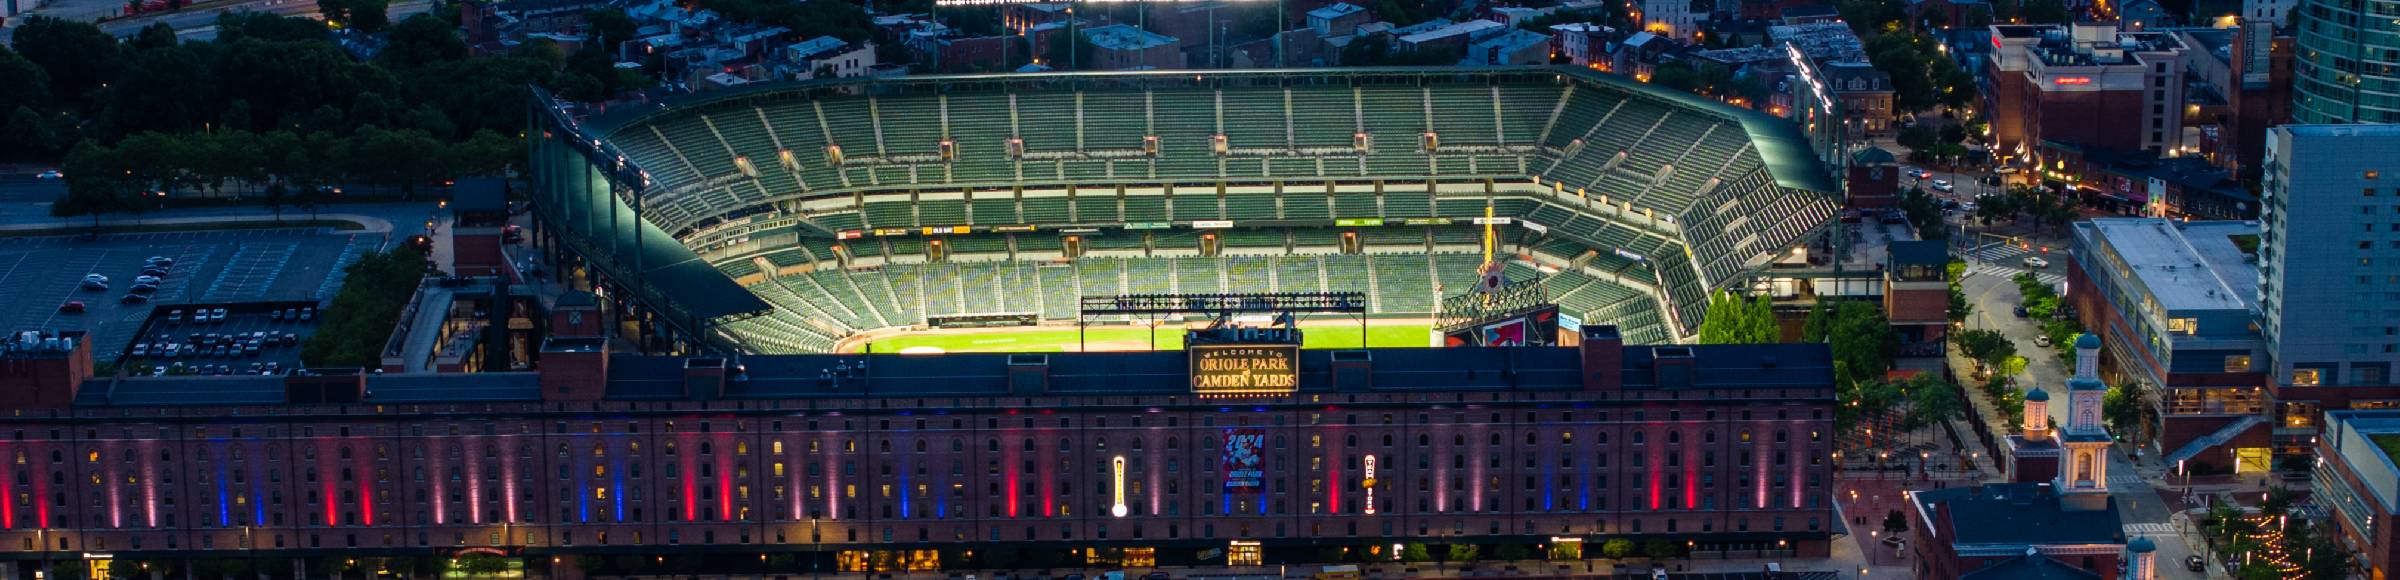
(836, 457)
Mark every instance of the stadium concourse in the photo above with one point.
(788, 218)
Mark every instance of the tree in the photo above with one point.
(2043, 11)
(2278, 502)
(423, 38)
(2125, 411)
(77, 57)
(1895, 522)
(276, 197)
(1733, 319)
(1415, 552)
(611, 26)
(96, 183)
(1924, 213)
(1917, 138)
(1660, 549)
(360, 317)
(1464, 553)
(1984, 346)
(1617, 548)
(367, 16)
(1377, 50)
(1931, 401)
(1510, 551)
(1862, 341)
(28, 86)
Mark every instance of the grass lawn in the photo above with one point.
(1048, 339)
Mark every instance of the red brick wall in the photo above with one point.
(2095, 119)
(406, 476)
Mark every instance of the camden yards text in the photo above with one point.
(1245, 369)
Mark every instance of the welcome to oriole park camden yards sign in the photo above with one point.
(1232, 370)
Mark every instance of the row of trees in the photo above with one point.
(70, 82)
(360, 318)
(1734, 319)
(2047, 208)
(278, 168)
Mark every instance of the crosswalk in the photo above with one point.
(2123, 482)
(2149, 529)
(2006, 261)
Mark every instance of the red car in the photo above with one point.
(71, 307)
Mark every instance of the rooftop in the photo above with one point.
(813, 47)
(2018, 515)
(2366, 441)
(1823, 41)
(2185, 266)
(2093, 44)
(1124, 37)
(1463, 28)
(2030, 567)
(1335, 10)
(2342, 130)
(662, 378)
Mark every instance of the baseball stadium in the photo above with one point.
(985, 213)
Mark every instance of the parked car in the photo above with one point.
(2036, 262)
(95, 278)
(134, 299)
(1944, 185)
(2043, 340)
(2021, 313)
(306, 313)
(217, 315)
(71, 307)
(160, 261)
(51, 174)
(147, 279)
(175, 317)
(143, 288)
(94, 285)
(2195, 564)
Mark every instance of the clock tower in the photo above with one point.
(2083, 463)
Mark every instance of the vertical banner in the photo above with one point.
(1245, 464)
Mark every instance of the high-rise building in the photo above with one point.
(2084, 86)
(2345, 66)
(2329, 267)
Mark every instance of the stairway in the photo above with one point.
(2219, 437)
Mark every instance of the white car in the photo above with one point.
(2036, 262)
(51, 174)
(1944, 185)
(96, 278)
(145, 279)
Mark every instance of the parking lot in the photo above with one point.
(41, 274)
(202, 344)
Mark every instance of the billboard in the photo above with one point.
(1245, 369)
(1538, 327)
(1245, 462)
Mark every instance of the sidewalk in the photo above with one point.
(367, 224)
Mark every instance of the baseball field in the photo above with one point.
(1328, 334)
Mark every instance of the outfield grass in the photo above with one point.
(1050, 339)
